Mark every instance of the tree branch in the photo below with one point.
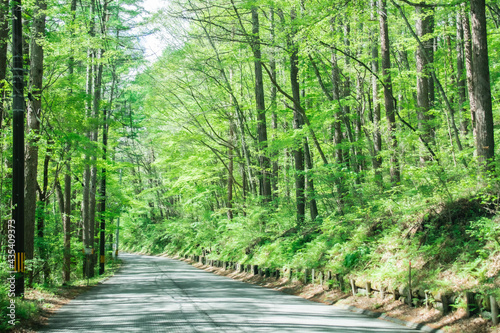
(301, 111)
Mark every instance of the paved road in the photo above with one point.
(153, 294)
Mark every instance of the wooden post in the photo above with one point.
(469, 300)
(304, 278)
(494, 310)
(446, 305)
(395, 292)
(340, 280)
(368, 288)
(382, 292)
(313, 276)
(353, 287)
(409, 296)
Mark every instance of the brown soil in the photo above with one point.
(456, 322)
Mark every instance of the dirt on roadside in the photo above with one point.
(455, 322)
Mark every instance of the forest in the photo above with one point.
(353, 136)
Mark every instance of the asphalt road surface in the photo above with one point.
(154, 294)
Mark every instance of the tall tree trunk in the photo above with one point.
(274, 116)
(87, 228)
(102, 235)
(311, 192)
(265, 164)
(298, 123)
(230, 175)
(388, 98)
(460, 80)
(67, 186)
(423, 78)
(485, 145)
(34, 116)
(67, 223)
(469, 67)
(352, 155)
(102, 210)
(377, 137)
(41, 217)
(337, 131)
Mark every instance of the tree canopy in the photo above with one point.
(308, 134)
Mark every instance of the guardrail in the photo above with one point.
(476, 303)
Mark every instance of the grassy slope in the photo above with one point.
(453, 244)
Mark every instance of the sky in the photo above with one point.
(153, 44)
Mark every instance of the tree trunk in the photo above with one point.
(102, 210)
(352, 154)
(460, 80)
(388, 98)
(230, 175)
(67, 223)
(274, 117)
(423, 77)
(485, 145)
(298, 123)
(377, 137)
(102, 234)
(41, 217)
(34, 116)
(469, 67)
(67, 187)
(265, 164)
(311, 192)
(87, 235)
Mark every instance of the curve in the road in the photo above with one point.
(155, 294)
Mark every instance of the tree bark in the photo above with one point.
(66, 272)
(41, 218)
(102, 206)
(469, 67)
(34, 116)
(377, 136)
(230, 174)
(311, 192)
(389, 104)
(67, 223)
(87, 231)
(485, 145)
(298, 123)
(423, 77)
(460, 79)
(274, 117)
(265, 164)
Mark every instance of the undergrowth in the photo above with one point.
(443, 223)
